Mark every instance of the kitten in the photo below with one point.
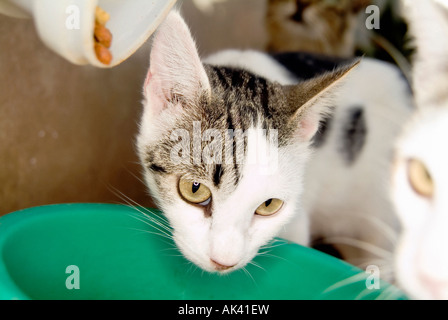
(318, 26)
(421, 162)
(223, 211)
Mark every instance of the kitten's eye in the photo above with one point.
(420, 179)
(194, 192)
(269, 207)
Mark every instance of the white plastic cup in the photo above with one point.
(66, 26)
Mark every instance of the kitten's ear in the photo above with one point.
(428, 25)
(308, 100)
(175, 72)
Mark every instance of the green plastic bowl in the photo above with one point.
(118, 255)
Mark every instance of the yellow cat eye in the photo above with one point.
(420, 179)
(269, 207)
(194, 192)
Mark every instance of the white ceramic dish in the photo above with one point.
(66, 26)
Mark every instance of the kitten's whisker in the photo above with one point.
(145, 214)
(345, 282)
(389, 293)
(387, 272)
(364, 293)
(168, 235)
(267, 254)
(272, 245)
(149, 218)
(386, 294)
(133, 174)
(396, 54)
(144, 211)
(363, 263)
(153, 220)
(145, 218)
(366, 246)
(150, 232)
(282, 241)
(173, 247)
(257, 265)
(250, 276)
(367, 262)
(174, 255)
(192, 267)
(389, 232)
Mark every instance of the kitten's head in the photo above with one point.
(222, 197)
(318, 26)
(421, 170)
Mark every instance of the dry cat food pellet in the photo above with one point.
(101, 16)
(102, 53)
(102, 36)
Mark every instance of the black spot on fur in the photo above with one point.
(354, 135)
(322, 133)
(217, 175)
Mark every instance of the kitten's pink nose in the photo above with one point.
(220, 267)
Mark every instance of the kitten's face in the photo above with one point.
(222, 213)
(324, 27)
(420, 188)
(224, 195)
(224, 208)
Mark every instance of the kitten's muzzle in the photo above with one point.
(220, 267)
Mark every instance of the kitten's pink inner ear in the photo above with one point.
(148, 78)
(308, 126)
(175, 67)
(154, 95)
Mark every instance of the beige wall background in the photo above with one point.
(67, 132)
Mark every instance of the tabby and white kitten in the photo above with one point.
(318, 26)
(421, 171)
(222, 212)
